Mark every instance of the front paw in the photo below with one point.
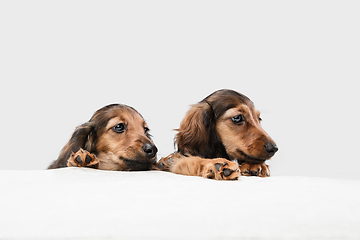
(255, 169)
(221, 169)
(163, 164)
(83, 158)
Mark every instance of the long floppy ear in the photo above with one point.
(197, 134)
(83, 137)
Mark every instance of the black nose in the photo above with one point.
(271, 149)
(150, 150)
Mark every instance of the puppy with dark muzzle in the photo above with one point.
(218, 133)
(115, 138)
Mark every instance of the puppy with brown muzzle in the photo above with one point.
(115, 138)
(222, 127)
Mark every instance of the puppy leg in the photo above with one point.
(255, 169)
(219, 168)
(83, 158)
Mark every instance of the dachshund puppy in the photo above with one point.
(222, 127)
(115, 138)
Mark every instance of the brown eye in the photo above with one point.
(119, 128)
(146, 129)
(239, 119)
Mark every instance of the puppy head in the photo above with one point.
(123, 140)
(225, 124)
(119, 137)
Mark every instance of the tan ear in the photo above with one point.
(197, 134)
(82, 138)
(79, 139)
(192, 136)
(90, 142)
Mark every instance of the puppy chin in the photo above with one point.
(108, 161)
(243, 157)
(138, 164)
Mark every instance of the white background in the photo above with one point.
(298, 61)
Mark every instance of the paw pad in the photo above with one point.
(224, 171)
(255, 169)
(83, 158)
(227, 172)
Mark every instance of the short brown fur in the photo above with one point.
(218, 168)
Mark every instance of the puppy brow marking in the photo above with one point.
(114, 121)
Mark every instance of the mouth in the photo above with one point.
(248, 158)
(138, 165)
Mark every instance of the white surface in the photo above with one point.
(76, 203)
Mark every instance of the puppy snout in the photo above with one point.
(271, 149)
(150, 150)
